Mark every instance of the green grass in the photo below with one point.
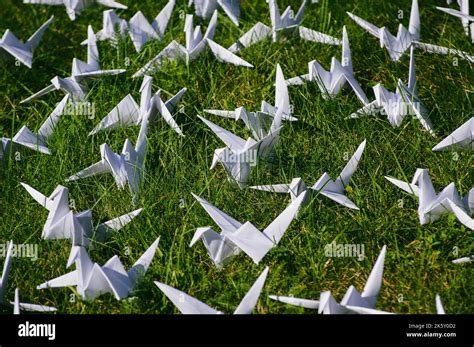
(418, 262)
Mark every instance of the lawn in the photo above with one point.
(418, 262)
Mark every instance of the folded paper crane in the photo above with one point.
(76, 84)
(431, 205)
(113, 28)
(352, 302)
(186, 304)
(128, 112)
(236, 236)
(396, 46)
(92, 280)
(240, 156)
(331, 82)
(463, 14)
(3, 285)
(288, 19)
(205, 8)
(461, 138)
(75, 7)
(259, 122)
(281, 25)
(63, 223)
(196, 43)
(334, 190)
(23, 52)
(139, 28)
(399, 104)
(126, 167)
(36, 141)
(141, 31)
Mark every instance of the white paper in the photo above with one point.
(64, 223)
(283, 24)
(205, 8)
(433, 205)
(460, 139)
(463, 14)
(196, 43)
(288, 18)
(240, 156)
(331, 82)
(92, 280)
(316, 36)
(17, 305)
(334, 190)
(352, 302)
(236, 236)
(75, 7)
(259, 123)
(464, 260)
(398, 105)
(23, 52)
(397, 45)
(35, 141)
(76, 85)
(129, 113)
(186, 304)
(256, 34)
(439, 305)
(113, 28)
(126, 167)
(141, 30)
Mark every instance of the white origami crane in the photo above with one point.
(205, 8)
(288, 19)
(281, 24)
(196, 43)
(113, 28)
(141, 31)
(334, 190)
(75, 7)
(23, 52)
(431, 205)
(236, 236)
(352, 302)
(239, 155)
(463, 14)
(128, 112)
(126, 167)
(3, 285)
(331, 82)
(397, 46)
(92, 280)
(461, 138)
(397, 105)
(76, 84)
(36, 141)
(139, 28)
(259, 122)
(186, 304)
(63, 223)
